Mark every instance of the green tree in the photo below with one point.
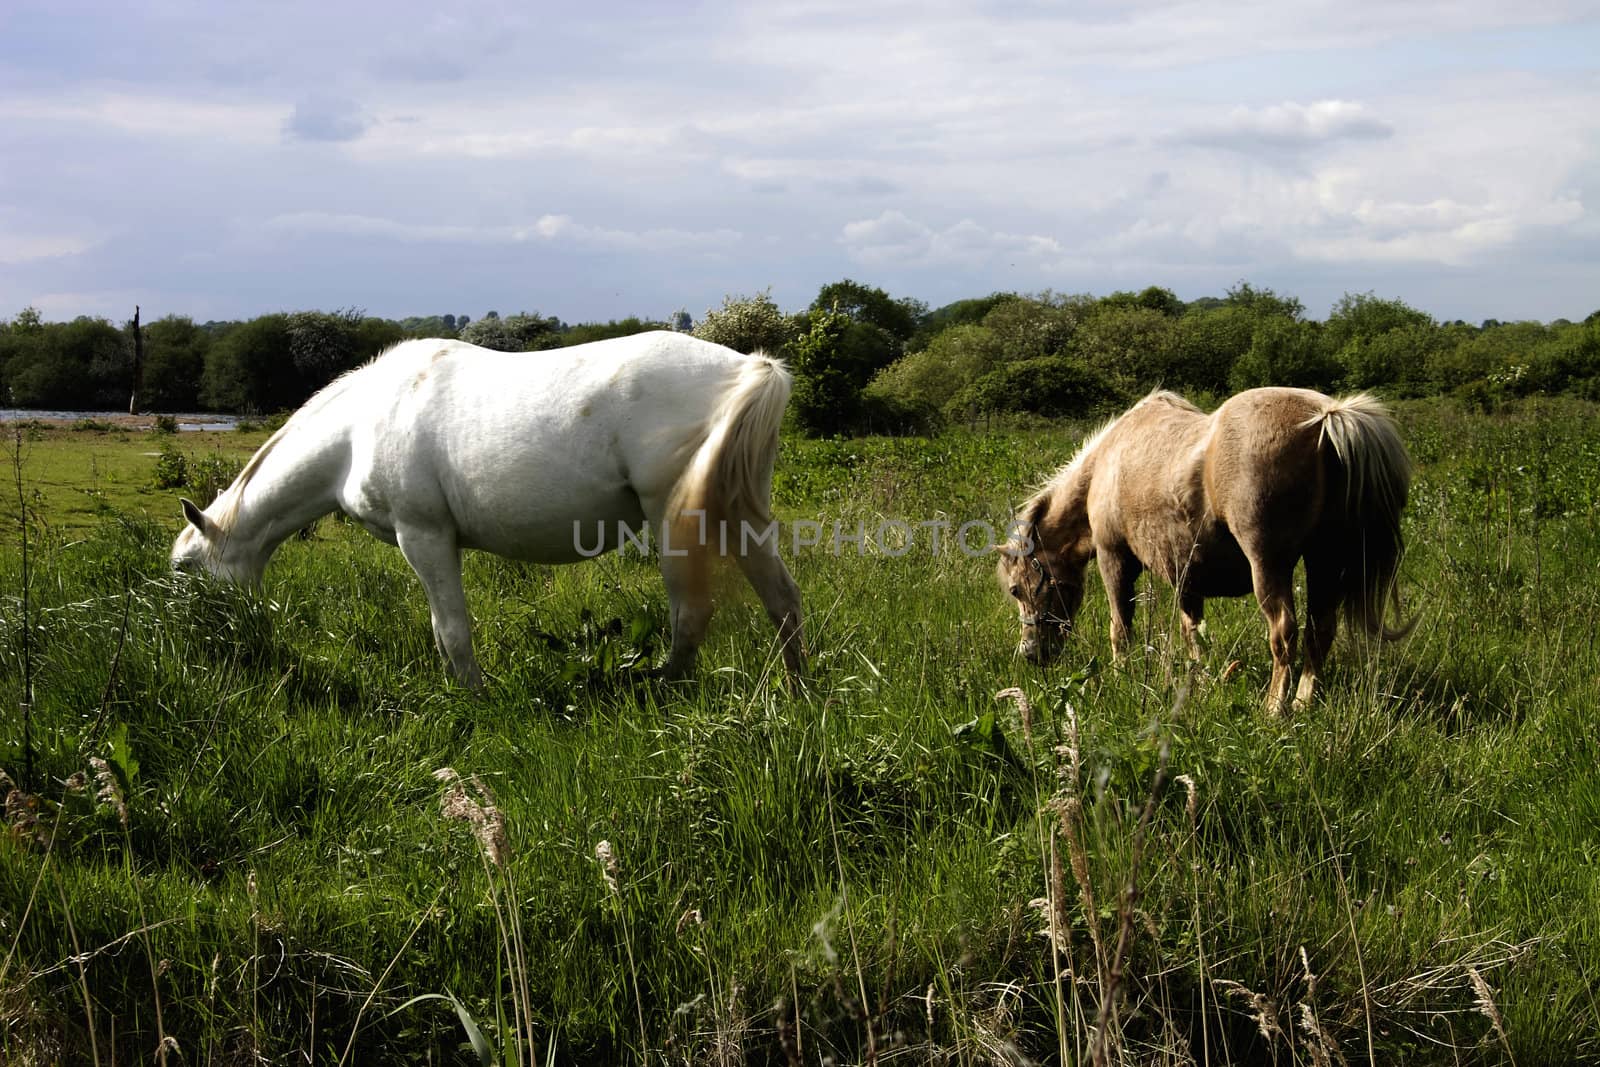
(1055, 386)
(1353, 331)
(373, 336)
(864, 303)
(322, 345)
(249, 369)
(174, 360)
(1206, 343)
(85, 363)
(1286, 352)
(1264, 303)
(585, 332)
(955, 314)
(921, 385)
(832, 363)
(1132, 344)
(1153, 298)
(1043, 325)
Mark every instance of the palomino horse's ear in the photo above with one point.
(196, 517)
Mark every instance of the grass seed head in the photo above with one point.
(109, 790)
(1483, 997)
(608, 865)
(487, 821)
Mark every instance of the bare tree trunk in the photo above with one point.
(138, 364)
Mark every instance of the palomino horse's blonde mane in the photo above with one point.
(1059, 478)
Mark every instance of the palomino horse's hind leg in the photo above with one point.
(1119, 570)
(781, 597)
(1323, 594)
(1274, 588)
(437, 561)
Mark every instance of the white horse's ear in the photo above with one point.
(196, 517)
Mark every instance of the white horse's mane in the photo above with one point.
(235, 492)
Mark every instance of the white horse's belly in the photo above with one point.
(547, 532)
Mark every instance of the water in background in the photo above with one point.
(186, 422)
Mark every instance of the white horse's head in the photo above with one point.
(205, 545)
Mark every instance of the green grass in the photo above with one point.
(840, 875)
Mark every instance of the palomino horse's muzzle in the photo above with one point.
(1045, 628)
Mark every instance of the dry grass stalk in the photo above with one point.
(1483, 999)
(483, 815)
(1024, 710)
(1324, 1050)
(1262, 1009)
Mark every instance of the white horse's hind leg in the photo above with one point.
(437, 561)
(689, 598)
(781, 597)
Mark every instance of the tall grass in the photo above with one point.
(890, 867)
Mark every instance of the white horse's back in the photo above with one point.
(438, 445)
(515, 447)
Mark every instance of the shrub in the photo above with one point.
(172, 470)
(748, 324)
(1286, 352)
(1057, 386)
(919, 386)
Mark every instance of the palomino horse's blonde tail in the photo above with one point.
(728, 479)
(1377, 473)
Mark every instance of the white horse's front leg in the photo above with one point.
(437, 561)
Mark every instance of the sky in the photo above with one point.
(594, 161)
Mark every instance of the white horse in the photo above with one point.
(550, 457)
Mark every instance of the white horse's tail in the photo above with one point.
(1377, 474)
(728, 478)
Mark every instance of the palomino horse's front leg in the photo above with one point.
(1192, 610)
(1275, 593)
(437, 561)
(1119, 570)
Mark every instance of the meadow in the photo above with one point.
(265, 827)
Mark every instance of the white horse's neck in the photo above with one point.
(294, 482)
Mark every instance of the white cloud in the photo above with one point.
(18, 248)
(1292, 125)
(546, 228)
(893, 238)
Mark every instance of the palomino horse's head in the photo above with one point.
(1048, 591)
(204, 546)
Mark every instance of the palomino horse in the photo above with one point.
(1223, 505)
(550, 457)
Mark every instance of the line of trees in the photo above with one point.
(863, 360)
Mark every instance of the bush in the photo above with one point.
(210, 475)
(918, 387)
(172, 470)
(1286, 352)
(1055, 386)
(748, 324)
(832, 364)
(516, 333)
